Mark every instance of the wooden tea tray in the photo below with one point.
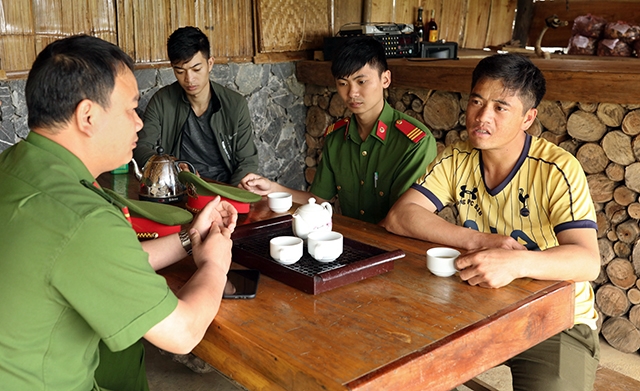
(357, 262)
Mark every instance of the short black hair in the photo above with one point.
(186, 42)
(68, 71)
(356, 53)
(517, 73)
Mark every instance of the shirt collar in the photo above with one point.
(57, 150)
(379, 132)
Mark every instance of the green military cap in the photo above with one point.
(152, 219)
(201, 192)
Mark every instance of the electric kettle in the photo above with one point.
(159, 178)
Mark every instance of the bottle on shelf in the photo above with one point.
(419, 27)
(432, 28)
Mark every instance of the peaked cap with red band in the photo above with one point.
(152, 220)
(201, 192)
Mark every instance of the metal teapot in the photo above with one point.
(159, 178)
(312, 217)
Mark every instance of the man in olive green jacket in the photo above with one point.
(197, 120)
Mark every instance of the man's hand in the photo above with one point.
(216, 213)
(215, 248)
(489, 267)
(256, 184)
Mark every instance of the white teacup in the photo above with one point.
(280, 201)
(324, 246)
(286, 249)
(441, 261)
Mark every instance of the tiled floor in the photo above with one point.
(167, 375)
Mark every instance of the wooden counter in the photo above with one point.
(570, 78)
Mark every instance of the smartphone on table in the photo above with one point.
(241, 284)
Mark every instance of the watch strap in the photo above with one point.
(185, 240)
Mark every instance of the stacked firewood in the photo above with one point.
(604, 137)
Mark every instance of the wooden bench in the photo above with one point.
(606, 380)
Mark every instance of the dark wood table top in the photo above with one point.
(403, 330)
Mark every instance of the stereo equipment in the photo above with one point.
(398, 39)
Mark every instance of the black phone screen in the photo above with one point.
(241, 284)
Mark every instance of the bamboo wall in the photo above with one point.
(238, 29)
(140, 27)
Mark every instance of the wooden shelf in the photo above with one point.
(569, 78)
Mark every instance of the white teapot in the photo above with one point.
(312, 217)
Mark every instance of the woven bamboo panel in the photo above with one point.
(17, 39)
(291, 25)
(145, 26)
(26, 26)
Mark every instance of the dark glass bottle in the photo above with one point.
(432, 27)
(419, 27)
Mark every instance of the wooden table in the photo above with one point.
(403, 330)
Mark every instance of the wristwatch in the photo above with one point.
(185, 241)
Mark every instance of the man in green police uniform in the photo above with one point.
(371, 158)
(73, 273)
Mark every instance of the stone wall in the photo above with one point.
(272, 91)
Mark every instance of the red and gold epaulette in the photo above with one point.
(414, 133)
(336, 125)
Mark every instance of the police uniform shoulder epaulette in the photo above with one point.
(336, 125)
(412, 132)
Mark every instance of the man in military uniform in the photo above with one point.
(372, 157)
(73, 276)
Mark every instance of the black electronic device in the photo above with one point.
(244, 284)
(439, 50)
(395, 45)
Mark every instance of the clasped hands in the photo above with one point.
(211, 231)
(493, 265)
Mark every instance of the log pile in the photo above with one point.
(604, 137)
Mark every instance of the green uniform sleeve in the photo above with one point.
(105, 276)
(324, 182)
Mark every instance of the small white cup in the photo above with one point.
(324, 246)
(280, 201)
(286, 249)
(441, 261)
